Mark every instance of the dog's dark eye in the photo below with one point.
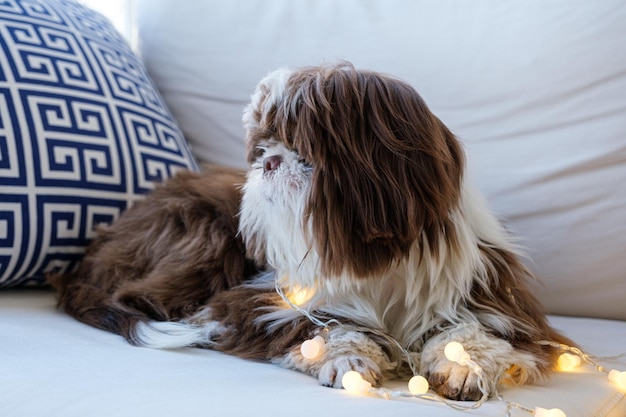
(258, 152)
(304, 163)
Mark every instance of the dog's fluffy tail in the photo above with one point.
(162, 259)
(171, 335)
(93, 305)
(137, 327)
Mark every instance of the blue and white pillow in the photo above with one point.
(83, 133)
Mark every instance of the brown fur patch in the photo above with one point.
(164, 257)
(239, 309)
(509, 295)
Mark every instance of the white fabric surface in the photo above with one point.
(54, 366)
(536, 90)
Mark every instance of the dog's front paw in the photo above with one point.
(494, 356)
(453, 381)
(331, 372)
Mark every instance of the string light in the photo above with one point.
(553, 412)
(568, 362)
(618, 378)
(455, 352)
(353, 382)
(418, 385)
(299, 296)
(615, 376)
(312, 349)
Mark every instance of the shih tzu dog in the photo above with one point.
(357, 198)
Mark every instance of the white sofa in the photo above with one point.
(535, 90)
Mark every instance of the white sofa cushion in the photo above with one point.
(536, 91)
(54, 366)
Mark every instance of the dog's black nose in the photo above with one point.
(272, 162)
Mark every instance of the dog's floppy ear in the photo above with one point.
(387, 172)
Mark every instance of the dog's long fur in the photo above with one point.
(356, 194)
(163, 258)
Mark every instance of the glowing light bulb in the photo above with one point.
(455, 352)
(618, 378)
(354, 383)
(299, 296)
(567, 361)
(418, 385)
(313, 348)
(553, 412)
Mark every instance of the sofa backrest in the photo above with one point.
(535, 90)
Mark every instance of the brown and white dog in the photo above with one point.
(356, 195)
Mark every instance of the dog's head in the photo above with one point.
(353, 161)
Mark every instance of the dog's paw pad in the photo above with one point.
(332, 371)
(455, 382)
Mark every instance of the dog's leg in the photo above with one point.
(494, 355)
(256, 323)
(344, 351)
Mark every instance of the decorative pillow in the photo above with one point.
(83, 133)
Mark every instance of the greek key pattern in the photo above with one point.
(83, 133)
